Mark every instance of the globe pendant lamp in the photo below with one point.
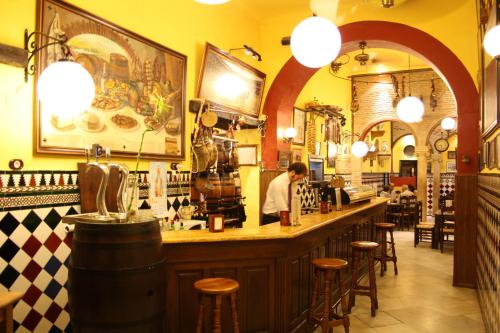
(410, 109)
(315, 42)
(65, 88)
(448, 123)
(359, 149)
(491, 42)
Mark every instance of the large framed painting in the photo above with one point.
(129, 72)
(299, 123)
(491, 111)
(229, 84)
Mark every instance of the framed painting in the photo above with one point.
(284, 159)
(129, 72)
(491, 110)
(229, 84)
(296, 155)
(331, 154)
(299, 123)
(247, 154)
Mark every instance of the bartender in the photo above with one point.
(279, 191)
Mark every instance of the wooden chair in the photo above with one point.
(7, 301)
(446, 223)
(407, 212)
(394, 214)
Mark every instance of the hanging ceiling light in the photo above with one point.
(315, 42)
(448, 123)
(410, 109)
(359, 149)
(212, 2)
(491, 42)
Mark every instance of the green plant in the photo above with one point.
(162, 113)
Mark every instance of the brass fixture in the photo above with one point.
(339, 62)
(362, 58)
(387, 3)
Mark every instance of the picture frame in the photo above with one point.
(299, 123)
(219, 70)
(128, 70)
(492, 154)
(247, 155)
(491, 109)
(452, 154)
(331, 154)
(296, 155)
(284, 159)
(497, 146)
(451, 166)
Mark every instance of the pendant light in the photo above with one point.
(448, 123)
(491, 42)
(410, 109)
(359, 149)
(315, 42)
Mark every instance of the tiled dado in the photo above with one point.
(34, 246)
(446, 186)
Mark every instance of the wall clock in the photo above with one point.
(441, 145)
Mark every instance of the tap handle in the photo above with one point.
(107, 154)
(122, 190)
(101, 193)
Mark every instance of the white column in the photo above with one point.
(422, 152)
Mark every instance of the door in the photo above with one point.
(408, 168)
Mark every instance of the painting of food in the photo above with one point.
(130, 73)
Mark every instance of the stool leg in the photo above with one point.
(234, 313)
(373, 293)
(394, 258)
(343, 302)
(199, 324)
(217, 314)
(325, 321)
(383, 253)
(354, 280)
(314, 297)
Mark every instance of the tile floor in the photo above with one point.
(421, 298)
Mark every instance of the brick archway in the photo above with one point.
(293, 76)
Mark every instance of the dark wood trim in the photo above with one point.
(275, 275)
(13, 56)
(464, 266)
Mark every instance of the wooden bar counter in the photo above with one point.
(271, 263)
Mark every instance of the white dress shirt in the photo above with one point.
(277, 195)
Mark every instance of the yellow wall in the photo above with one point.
(452, 140)
(397, 152)
(380, 164)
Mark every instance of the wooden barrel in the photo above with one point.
(116, 278)
(227, 189)
(237, 185)
(213, 195)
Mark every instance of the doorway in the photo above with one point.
(408, 168)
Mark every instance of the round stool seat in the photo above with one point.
(364, 245)
(384, 225)
(216, 286)
(329, 263)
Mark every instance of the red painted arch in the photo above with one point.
(293, 76)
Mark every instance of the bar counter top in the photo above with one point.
(309, 223)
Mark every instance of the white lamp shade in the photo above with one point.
(448, 123)
(290, 133)
(65, 88)
(410, 109)
(315, 42)
(359, 148)
(491, 41)
(212, 2)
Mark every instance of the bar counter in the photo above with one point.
(271, 263)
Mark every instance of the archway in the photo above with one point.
(293, 76)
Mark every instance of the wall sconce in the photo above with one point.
(289, 134)
(491, 42)
(64, 87)
(249, 51)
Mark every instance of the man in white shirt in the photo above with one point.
(277, 196)
(407, 191)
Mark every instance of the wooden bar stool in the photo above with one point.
(327, 267)
(358, 248)
(381, 230)
(7, 300)
(217, 287)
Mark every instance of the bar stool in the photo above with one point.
(359, 247)
(217, 287)
(328, 266)
(7, 301)
(381, 230)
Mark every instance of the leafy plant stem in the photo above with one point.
(138, 158)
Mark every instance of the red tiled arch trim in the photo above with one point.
(293, 76)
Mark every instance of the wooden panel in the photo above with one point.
(265, 178)
(464, 273)
(89, 185)
(187, 299)
(294, 311)
(488, 245)
(257, 300)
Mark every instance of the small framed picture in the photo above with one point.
(247, 154)
(452, 155)
(497, 146)
(296, 155)
(492, 154)
(284, 159)
(451, 166)
(299, 123)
